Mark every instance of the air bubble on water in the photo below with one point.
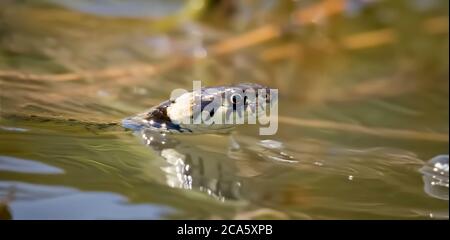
(435, 177)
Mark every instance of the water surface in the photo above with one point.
(359, 119)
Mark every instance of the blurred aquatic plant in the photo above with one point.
(161, 15)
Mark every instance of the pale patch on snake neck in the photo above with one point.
(180, 111)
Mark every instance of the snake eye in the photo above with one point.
(234, 99)
(211, 113)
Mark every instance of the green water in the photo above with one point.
(67, 169)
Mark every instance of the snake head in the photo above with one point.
(191, 111)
